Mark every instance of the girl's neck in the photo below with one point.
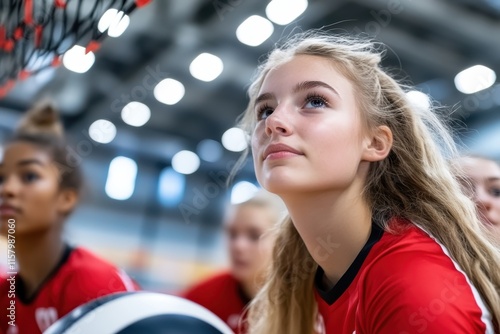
(250, 289)
(37, 255)
(333, 226)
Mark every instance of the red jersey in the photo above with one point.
(402, 283)
(223, 295)
(79, 277)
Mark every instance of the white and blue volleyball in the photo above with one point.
(139, 313)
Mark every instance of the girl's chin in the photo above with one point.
(241, 273)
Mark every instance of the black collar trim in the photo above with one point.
(332, 295)
(20, 288)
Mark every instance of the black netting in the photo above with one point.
(35, 33)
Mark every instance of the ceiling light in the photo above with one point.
(283, 12)
(254, 30)
(171, 187)
(120, 183)
(206, 67)
(419, 99)
(242, 192)
(185, 162)
(114, 22)
(474, 79)
(102, 131)
(169, 91)
(209, 150)
(136, 114)
(76, 60)
(234, 140)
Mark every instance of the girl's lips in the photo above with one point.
(8, 211)
(278, 151)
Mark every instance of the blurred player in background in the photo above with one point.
(483, 175)
(40, 186)
(248, 227)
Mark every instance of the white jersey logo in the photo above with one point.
(319, 326)
(233, 320)
(45, 316)
(12, 330)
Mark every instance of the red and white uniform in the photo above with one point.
(223, 295)
(79, 277)
(402, 283)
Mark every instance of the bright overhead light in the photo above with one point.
(120, 183)
(419, 99)
(283, 12)
(234, 140)
(206, 67)
(209, 150)
(254, 30)
(102, 131)
(169, 91)
(114, 22)
(76, 60)
(242, 192)
(136, 114)
(185, 162)
(474, 79)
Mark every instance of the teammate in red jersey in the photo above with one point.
(39, 188)
(247, 226)
(379, 229)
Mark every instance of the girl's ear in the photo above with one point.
(67, 200)
(378, 144)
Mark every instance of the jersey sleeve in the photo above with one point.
(405, 294)
(198, 293)
(86, 285)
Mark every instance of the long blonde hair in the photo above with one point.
(414, 182)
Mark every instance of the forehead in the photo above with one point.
(305, 68)
(18, 151)
(256, 215)
(478, 168)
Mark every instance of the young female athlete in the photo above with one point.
(483, 175)
(380, 238)
(250, 246)
(39, 188)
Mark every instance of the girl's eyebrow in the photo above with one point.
(264, 97)
(301, 86)
(28, 162)
(305, 85)
(493, 179)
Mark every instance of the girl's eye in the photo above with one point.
(495, 192)
(254, 237)
(30, 177)
(264, 112)
(315, 101)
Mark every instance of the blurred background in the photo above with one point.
(151, 114)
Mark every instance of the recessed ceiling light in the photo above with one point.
(169, 91)
(254, 30)
(77, 60)
(206, 67)
(102, 131)
(234, 140)
(136, 114)
(120, 183)
(475, 79)
(185, 162)
(419, 99)
(283, 12)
